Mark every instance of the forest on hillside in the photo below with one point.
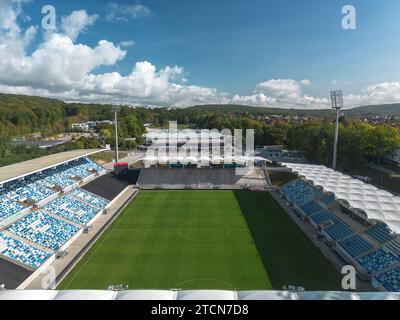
(23, 115)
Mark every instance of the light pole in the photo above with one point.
(337, 104)
(116, 109)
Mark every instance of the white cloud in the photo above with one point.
(60, 68)
(120, 12)
(283, 88)
(127, 43)
(73, 24)
(283, 93)
(58, 63)
(381, 93)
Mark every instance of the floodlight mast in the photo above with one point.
(337, 104)
(116, 109)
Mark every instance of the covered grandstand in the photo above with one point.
(25, 168)
(372, 203)
(43, 209)
(359, 221)
(202, 161)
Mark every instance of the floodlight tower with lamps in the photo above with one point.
(116, 109)
(337, 103)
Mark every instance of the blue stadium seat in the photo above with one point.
(312, 208)
(380, 233)
(90, 198)
(394, 246)
(338, 229)
(377, 261)
(327, 199)
(301, 192)
(355, 246)
(72, 209)
(390, 279)
(44, 230)
(21, 252)
(8, 208)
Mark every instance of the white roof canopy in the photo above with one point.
(377, 204)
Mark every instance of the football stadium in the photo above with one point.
(199, 150)
(178, 231)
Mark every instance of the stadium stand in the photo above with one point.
(394, 246)
(32, 187)
(390, 279)
(327, 199)
(90, 198)
(38, 186)
(355, 246)
(338, 229)
(44, 230)
(72, 209)
(312, 208)
(59, 177)
(301, 192)
(377, 261)
(204, 178)
(9, 208)
(21, 252)
(323, 216)
(380, 233)
(31, 235)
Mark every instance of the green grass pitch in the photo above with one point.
(203, 240)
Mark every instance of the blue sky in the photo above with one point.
(235, 46)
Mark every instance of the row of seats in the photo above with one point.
(355, 246)
(394, 246)
(327, 199)
(40, 227)
(377, 260)
(390, 279)
(312, 208)
(90, 198)
(312, 202)
(72, 209)
(9, 208)
(39, 186)
(380, 233)
(301, 192)
(338, 230)
(32, 187)
(59, 177)
(19, 251)
(44, 230)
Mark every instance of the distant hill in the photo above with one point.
(20, 114)
(384, 109)
(260, 110)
